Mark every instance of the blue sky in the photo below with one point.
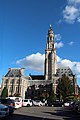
(23, 31)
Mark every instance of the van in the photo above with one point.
(17, 101)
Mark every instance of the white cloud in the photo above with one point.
(59, 45)
(34, 62)
(78, 67)
(78, 76)
(58, 59)
(78, 19)
(60, 21)
(71, 12)
(71, 43)
(74, 2)
(67, 62)
(57, 37)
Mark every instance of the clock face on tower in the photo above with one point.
(50, 45)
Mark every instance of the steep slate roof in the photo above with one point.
(64, 70)
(13, 73)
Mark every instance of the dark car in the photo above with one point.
(54, 103)
(58, 103)
(71, 106)
(50, 102)
(9, 103)
(11, 109)
(75, 107)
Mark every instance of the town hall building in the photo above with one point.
(16, 82)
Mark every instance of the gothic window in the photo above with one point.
(19, 89)
(16, 89)
(12, 81)
(18, 81)
(6, 81)
(10, 89)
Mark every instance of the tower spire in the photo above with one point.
(50, 56)
(50, 31)
(50, 25)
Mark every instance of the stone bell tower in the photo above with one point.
(50, 56)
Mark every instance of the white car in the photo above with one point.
(27, 102)
(37, 103)
(4, 110)
(17, 101)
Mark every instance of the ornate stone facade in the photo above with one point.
(16, 82)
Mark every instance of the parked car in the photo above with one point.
(4, 110)
(37, 103)
(76, 106)
(66, 104)
(71, 105)
(8, 102)
(50, 102)
(58, 103)
(17, 101)
(44, 102)
(55, 103)
(27, 102)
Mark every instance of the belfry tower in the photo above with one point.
(50, 56)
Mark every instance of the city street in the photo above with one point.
(43, 113)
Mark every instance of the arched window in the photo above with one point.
(12, 81)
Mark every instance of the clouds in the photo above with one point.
(75, 66)
(69, 63)
(74, 2)
(71, 43)
(58, 43)
(71, 12)
(57, 37)
(32, 62)
(36, 62)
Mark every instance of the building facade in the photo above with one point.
(17, 83)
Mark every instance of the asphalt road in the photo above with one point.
(43, 113)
